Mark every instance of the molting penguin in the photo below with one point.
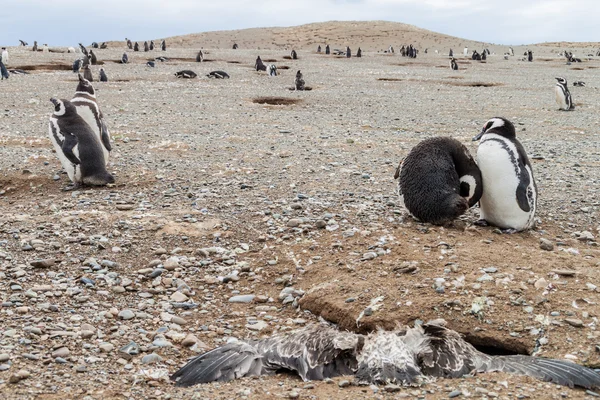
(453, 64)
(509, 197)
(299, 82)
(563, 96)
(439, 180)
(93, 58)
(103, 77)
(87, 107)
(78, 149)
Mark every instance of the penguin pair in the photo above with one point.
(563, 95)
(439, 180)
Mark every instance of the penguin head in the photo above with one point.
(561, 80)
(499, 126)
(85, 86)
(62, 107)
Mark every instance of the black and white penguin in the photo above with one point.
(453, 64)
(218, 75)
(294, 55)
(319, 49)
(327, 49)
(439, 180)
(78, 149)
(359, 52)
(150, 64)
(259, 65)
(563, 95)
(95, 45)
(3, 70)
(129, 45)
(5, 56)
(88, 109)
(163, 45)
(484, 54)
(299, 81)
(579, 83)
(84, 50)
(451, 53)
(272, 70)
(146, 47)
(391, 49)
(186, 73)
(511, 51)
(161, 59)
(235, 46)
(151, 45)
(529, 55)
(509, 197)
(45, 48)
(35, 46)
(103, 77)
(77, 64)
(124, 58)
(136, 47)
(104, 45)
(93, 58)
(409, 356)
(348, 52)
(23, 43)
(87, 73)
(200, 56)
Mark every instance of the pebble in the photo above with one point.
(4, 357)
(294, 222)
(47, 263)
(19, 375)
(293, 394)
(179, 297)
(320, 224)
(61, 352)
(151, 358)
(546, 244)
(189, 340)
(577, 323)
(106, 347)
(126, 314)
(454, 393)
(258, 326)
(391, 388)
(344, 383)
(245, 298)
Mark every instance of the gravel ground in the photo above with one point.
(105, 292)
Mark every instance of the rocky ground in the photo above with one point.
(235, 218)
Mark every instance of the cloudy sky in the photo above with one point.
(67, 22)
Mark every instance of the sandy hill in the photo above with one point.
(369, 35)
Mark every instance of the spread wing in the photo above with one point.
(314, 353)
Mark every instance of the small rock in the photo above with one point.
(126, 314)
(151, 358)
(546, 244)
(454, 393)
(577, 323)
(61, 352)
(245, 298)
(179, 297)
(344, 383)
(294, 222)
(392, 388)
(47, 263)
(189, 340)
(106, 347)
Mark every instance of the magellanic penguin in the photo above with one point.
(163, 45)
(509, 197)
(124, 58)
(136, 47)
(299, 81)
(3, 70)
(5, 56)
(129, 45)
(200, 56)
(87, 73)
(563, 96)
(294, 55)
(348, 52)
(218, 75)
(77, 64)
(186, 73)
(103, 77)
(259, 65)
(439, 180)
(272, 70)
(359, 53)
(87, 107)
(408, 356)
(78, 149)
(151, 45)
(453, 64)
(146, 47)
(93, 58)
(35, 46)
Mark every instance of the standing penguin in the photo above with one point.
(453, 64)
(84, 50)
(3, 71)
(103, 77)
(319, 49)
(93, 58)
(299, 82)
(272, 70)
(78, 149)
(294, 55)
(348, 52)
(5, 56)
(200, 56)
(77, 64)
(235, 46)
(136, 47)
(151, 45)
(327, 49)
(124, 59)
(163, 45)
(509, 198)
(563, 96)
(87, 73)
(35, 46)
(146, 47)
(451, 54)
(87, 107)
(466, 51)
(529, 55)
(129, 45)
(439, 180)
(484, 55)
(359, 52)
(259, 65)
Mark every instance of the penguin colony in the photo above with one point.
(438, 180)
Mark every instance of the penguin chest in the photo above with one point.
(89, 113)
(57, 138)
(501, 177)
(561, 98)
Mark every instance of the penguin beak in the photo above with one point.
(54, 101)
(478, 136)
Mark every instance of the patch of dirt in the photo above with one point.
(276, 101)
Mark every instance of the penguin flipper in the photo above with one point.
(67, 148)
(524, 190)
(105, 136)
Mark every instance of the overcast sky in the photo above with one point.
(67, 22)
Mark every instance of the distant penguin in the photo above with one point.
(484, 55)
(78, 149)
(163, 45)
(293, 55)
(451, 54)
(129, 45)
(146, 47)
(23, 43)
(84, 50)
(35, 46)
(218, 75)
(95, 45)
(151, 45)
(511, 51)
(70, 50)
(93, 58)
(3, 71)
(563, 95)
(466, 51)
(87, 73)
(529, 55)
(150, 64)
(439, 180)
(509, 198)
(103, 77)
(124, 58)
(348, 52)
(391, 49)
(259, 65)
(579, 83)
(77, 64)
(186, 73)
(272, 70)
(200, 56)
(136, 47)
(235, 46)
(161, 59)
(327, 49)
(18, 72)
(87, 107)
(299, 82)
(453, 64)
(103, 45)
(5, 56)
(359, 52)
(319, 49)
(45, 48)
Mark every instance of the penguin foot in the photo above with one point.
(509, 231)
(481, 222)
(71, 187)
